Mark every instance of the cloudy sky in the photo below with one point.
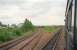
(40, 12)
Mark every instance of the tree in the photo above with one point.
(0, 23)
(14, 25)
(27, 25)
(3, 25)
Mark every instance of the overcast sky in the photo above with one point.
(40, 12)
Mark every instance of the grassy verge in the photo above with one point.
(7, 34)
(50, 29)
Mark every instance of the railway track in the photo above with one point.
(23, 43)
(56, 42)
(11, 44)
(38, 41)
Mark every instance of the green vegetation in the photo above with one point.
(11, 32)
(27, 26)
(50, 28)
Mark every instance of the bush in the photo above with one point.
(18, 32)
(5, 36)
(9, 33)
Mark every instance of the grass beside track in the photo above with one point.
(10, 34)
(7, 36)
(50, 29)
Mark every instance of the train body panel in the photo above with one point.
(71, 24)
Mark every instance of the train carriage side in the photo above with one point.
(71, 25)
